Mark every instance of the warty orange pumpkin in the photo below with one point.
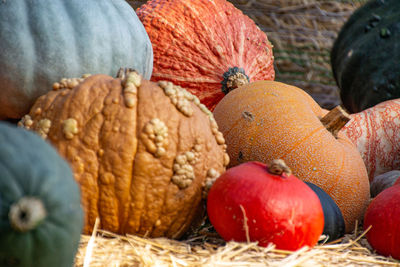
(207, 47)
(142, 152)
(264, 120)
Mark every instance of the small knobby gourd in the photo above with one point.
(264, 120)
(375, 132)
(365, 55)
(383, 219)
(143, 152)
(43, 41)
(207, 47)
(267, 204)
(41, 217)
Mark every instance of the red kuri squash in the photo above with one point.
(267, 204)
(383, 215)
(207, 47)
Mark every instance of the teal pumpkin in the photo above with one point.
(43, 41)
(41, 217)
(365, 55)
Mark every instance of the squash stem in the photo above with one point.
(234, 78)
(26, 214)
(278, 167)
(335, 119)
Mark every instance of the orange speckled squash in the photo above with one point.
(207, 47)
(265, 120)
(142, 152)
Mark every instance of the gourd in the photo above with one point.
(334, 227)
(44, 41)
(383, 216)
(265, 204)
(41, 217)
(142, 152)
(264, 120)
(374, 131)
(207, 47)
(383, 181)
(365, 54)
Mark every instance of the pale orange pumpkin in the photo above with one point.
(142, 152)
(265, 120)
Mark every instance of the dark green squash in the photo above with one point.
(366, 54)
(334, 226)
(40, 213)
(43, 41)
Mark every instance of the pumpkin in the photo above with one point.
(383, 181)
(365, 54)
(41, 217)
(334, 227)
(374, 131)
(383, 216)
(264, 120)
(142, 152)
(46, 40)
(253, 202)
(208, 53)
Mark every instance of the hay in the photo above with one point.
(107, 249)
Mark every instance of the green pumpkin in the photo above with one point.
(43, 41)
(366, 54)
(41, 217)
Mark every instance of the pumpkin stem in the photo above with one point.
(26, 214)
(234, 78)
(278, 166)
(335, 119)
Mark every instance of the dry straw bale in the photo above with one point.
(107, 249)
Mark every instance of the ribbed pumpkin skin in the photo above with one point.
(196, 42)
(45, 40)
(375, 132)
(365, 55)
(265, 120)
(30, 167)
(114, 153)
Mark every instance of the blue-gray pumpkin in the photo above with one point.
(41, 217)
(43, 41)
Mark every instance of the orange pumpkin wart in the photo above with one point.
(142, 152)
(207, 47)
(264, 120)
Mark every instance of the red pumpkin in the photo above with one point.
(375, 132)
(253, 202)
(383, 215)
(207, 47)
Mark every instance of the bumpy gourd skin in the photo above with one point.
(30, 167)
(141, 151)
(197, 44)
(43, 41)
(365, 56)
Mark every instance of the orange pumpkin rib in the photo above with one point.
(195, 43)
(286, 124)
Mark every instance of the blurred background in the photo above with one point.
(302, 33)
